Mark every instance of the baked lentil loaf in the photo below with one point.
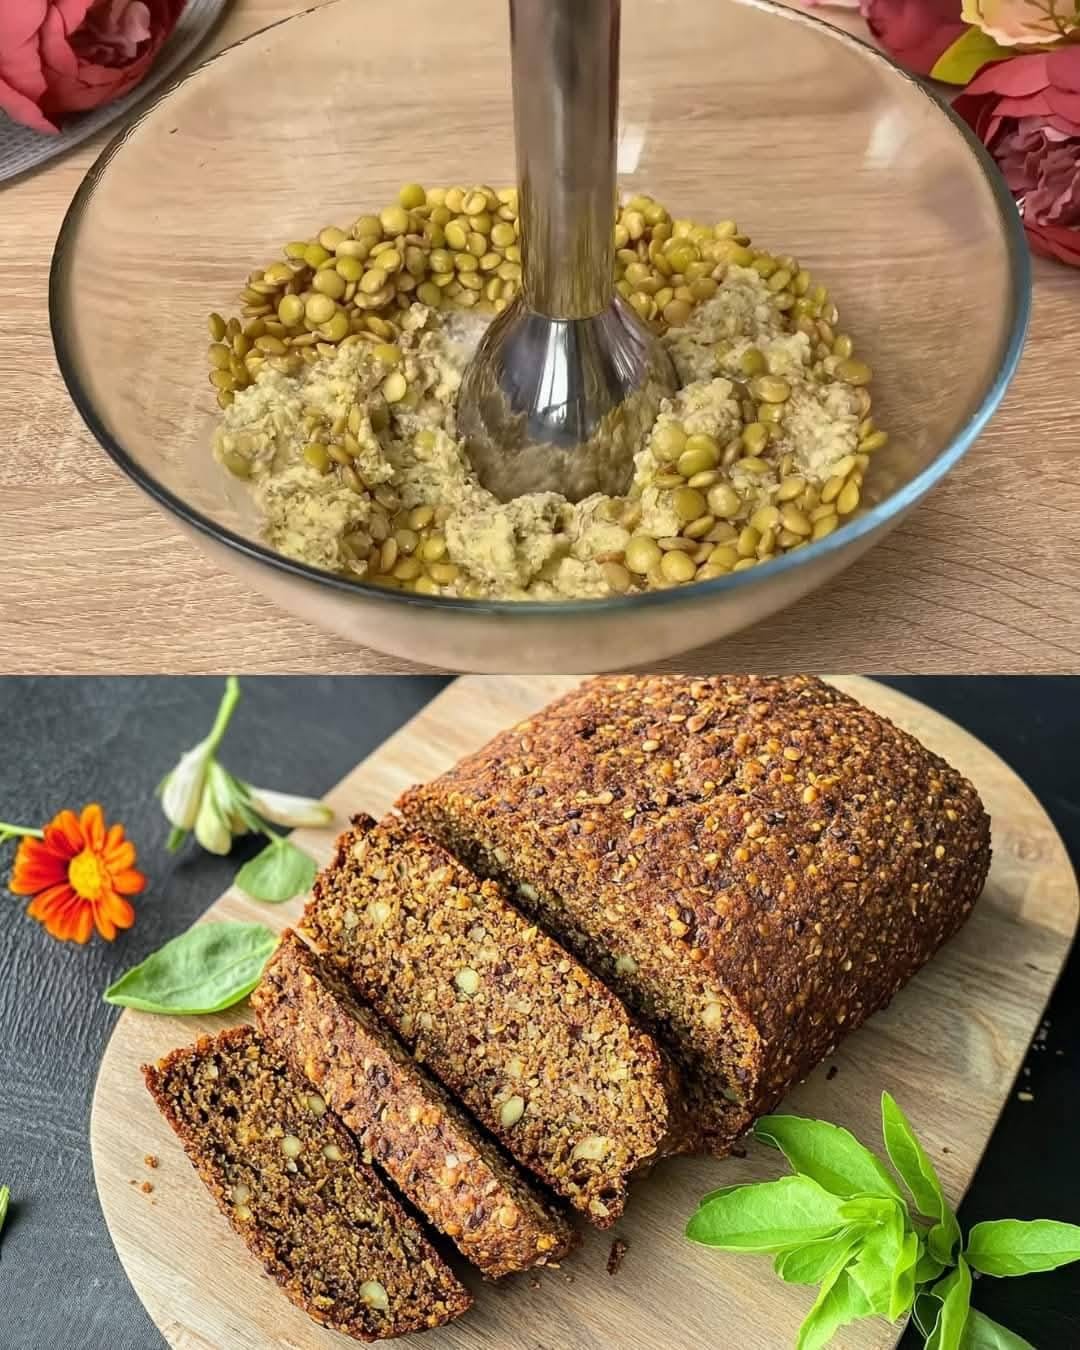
(286, 1174)
(537, 1048)
(754, 865)
(454, 1175)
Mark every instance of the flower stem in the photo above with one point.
(226, 708)
(18, 832)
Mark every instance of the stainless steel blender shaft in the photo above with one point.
(565, 64)
(567, 380)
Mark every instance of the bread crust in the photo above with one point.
(762, 854)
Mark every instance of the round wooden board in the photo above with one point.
(948, 1048)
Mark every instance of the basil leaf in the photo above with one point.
(983, 1333)
(208, 968)
(902, 1293)
(723, 1190)
(926, 1311)
(1015, 1247)
(278, 873)
(839, 1302)
(910, 1160)
(829, 1154)
(766, 1216)
(811, 1263)
(870, 1209)
(5, 1200)
(928, 1268)
(874, 1267)
(955, 1294)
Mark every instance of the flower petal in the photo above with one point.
(104, 924)
(50, 901)
(285, 809)
(63, 835)
(35, 868)
(119, 911)
(93, 826)
(128, 882)
(83, 927)
(183, 788)
(22, 109)
(120, 856)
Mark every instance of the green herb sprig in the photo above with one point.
(201, 795)
(840, 1221)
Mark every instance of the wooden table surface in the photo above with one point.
(984, 576)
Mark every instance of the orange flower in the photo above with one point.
(78, 874)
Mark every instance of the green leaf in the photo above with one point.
(208, 968)
(1016, 1247)
(874, 1268)
(983, 1333)
(910, 1160)
(902, 1293)
(928, 1268)
(811, 1263)
(766, 1216)
(722, 1190)
(955, 1294)
(5, 1200)
(871, 1209)
(839, 1302)
(829, 1154)
(965, 57)
(278, 873)
(926, 1311)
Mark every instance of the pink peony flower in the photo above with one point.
(1027, 113)
(64, 56)
(915, 32)
(1015, 22)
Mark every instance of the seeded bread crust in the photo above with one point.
(320, 1220)
(454, 1175)
(539, 1050)
(754, 864)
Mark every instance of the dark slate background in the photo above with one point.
(68, 741)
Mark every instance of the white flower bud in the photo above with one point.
(282, 808)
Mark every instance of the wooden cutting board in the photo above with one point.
(948, 1049)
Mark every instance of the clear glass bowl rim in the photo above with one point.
(1019, 260)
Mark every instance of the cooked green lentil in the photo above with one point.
(339, 377)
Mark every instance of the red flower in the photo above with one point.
(915, 32)
(65, 56)
(1027, 113)
(78, 874)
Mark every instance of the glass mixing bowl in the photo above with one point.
(817, 144)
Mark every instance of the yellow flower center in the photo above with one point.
(87, 875)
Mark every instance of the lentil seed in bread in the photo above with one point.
(428, 1147)
(754, 864)
(537, 1048)
(287, 1176)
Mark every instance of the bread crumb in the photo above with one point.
(146, 1188)
(615, 1256)
(150, 1160)
(833, 1071)
(1025, 1096)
